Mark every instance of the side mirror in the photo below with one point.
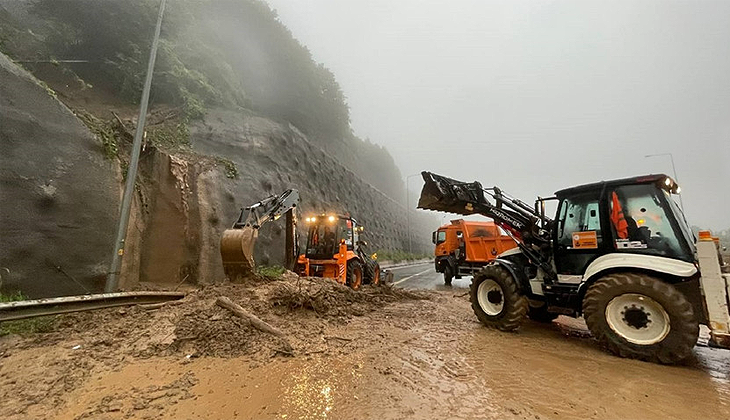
(433, 238)
(362, 243)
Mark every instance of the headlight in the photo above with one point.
(667, 182)
(331, 218)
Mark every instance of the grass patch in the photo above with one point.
(104, 131)
(28, 326)
(270, 271)
(229, 168)
(170, 137)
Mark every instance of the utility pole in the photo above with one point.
(674, 171)
(112, 280)
(408, 211)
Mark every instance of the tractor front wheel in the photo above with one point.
(354, 274)
(496, 299)
(641, 317)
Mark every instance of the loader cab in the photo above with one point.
(327, 231)
(633, 216)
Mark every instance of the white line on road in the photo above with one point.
(410, 277)
(408, 266)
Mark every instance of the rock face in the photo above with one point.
(59, 197)
(185, 203)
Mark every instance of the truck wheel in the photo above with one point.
(354, 274)
(496, 299)
(641, 317)
(448, 274)
(541, 314)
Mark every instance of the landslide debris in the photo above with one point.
(302, 308)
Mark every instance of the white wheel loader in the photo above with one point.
(619, 253)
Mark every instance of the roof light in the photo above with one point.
(705, 235)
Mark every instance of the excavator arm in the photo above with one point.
(272, 207)
(529, 227)
(237, 243)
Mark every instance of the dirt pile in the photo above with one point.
(303, 308)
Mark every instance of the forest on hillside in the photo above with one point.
(213, 53)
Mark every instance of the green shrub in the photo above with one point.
(25, 326)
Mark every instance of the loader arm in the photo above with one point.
(527, 226)
(237, 244)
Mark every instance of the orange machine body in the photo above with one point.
(464, 246)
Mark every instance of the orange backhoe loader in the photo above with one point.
(334, 250)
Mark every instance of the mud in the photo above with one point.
(381, 353)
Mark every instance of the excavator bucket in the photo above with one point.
(237, 251)
(237, 243)
(449, 195)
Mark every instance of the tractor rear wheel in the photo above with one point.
(354, 274)
(496, 299)
(641, 317)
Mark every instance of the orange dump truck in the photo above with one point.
(464, 247)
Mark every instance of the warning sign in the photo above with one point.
(585, 240)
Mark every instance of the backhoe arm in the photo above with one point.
(237, 243)
(267, 209)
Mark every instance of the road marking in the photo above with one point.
(408, 266)
(410, 277)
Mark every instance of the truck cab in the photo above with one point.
(463, 247)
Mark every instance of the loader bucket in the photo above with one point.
(237, 251)
(449, 195)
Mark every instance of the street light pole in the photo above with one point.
(674, 171)
(112, 280)
(408, 210)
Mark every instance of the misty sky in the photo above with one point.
(536, 96)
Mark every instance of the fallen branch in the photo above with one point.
(333, 337)
(255, 322)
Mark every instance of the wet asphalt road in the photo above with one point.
(424, 276)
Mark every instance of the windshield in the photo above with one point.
(681, 221)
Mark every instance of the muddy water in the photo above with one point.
(445, 367)
(554, 376)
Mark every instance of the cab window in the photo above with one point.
(579, 223)
(440, 236)
(641, 221)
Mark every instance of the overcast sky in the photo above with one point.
(536, 96)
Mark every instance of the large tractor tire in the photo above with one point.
(496, 299)
(641, 317)
(354, 274)
(448, 274)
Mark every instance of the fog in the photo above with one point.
(536, 96)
